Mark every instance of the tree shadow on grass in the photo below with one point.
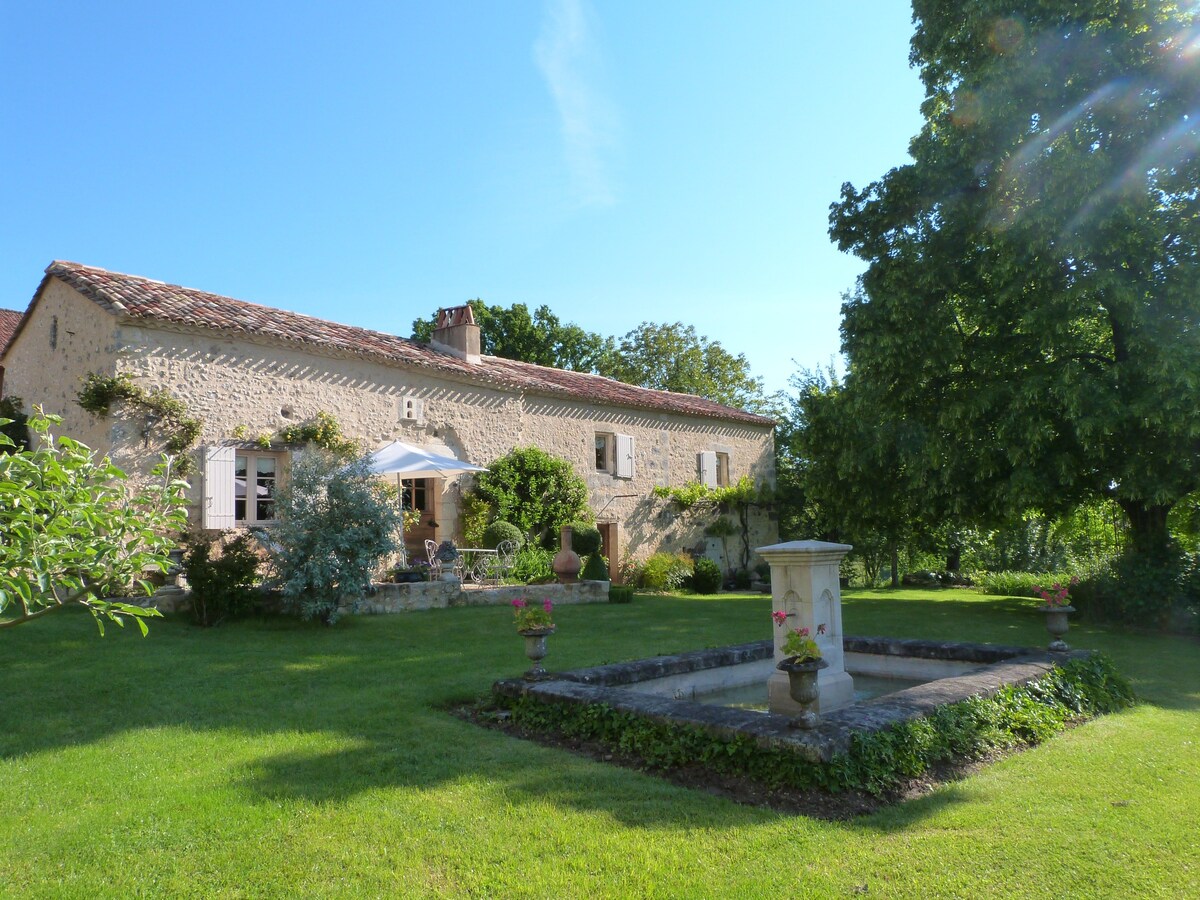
(359, 708)
(378, 685)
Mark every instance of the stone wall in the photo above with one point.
(253, 387)
(266, 387)
(394, 598)
(67, 337)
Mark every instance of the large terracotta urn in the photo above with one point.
(566, 562)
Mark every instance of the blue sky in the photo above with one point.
(620, 162)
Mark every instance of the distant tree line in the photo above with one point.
(666, 357)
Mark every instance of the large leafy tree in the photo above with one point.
(841, 476)
(665, 357)
(539, 337)
(74, 531)
(1026, 331)
(675, 358)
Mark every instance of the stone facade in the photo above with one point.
(243, 384)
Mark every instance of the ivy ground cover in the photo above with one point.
(270, 758)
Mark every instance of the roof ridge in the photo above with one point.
(78, 265)
(138, 297)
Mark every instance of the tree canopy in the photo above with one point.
(1025, 333)
(675, 358)
(664, 357)
(540, 337)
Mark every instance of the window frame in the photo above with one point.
(252, 456)
(610, 452)
(414, 493)
(722, 469)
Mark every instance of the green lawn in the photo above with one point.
(268, 758)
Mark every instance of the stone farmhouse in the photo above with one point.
(249, 371)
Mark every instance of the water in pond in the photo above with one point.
(754, 696)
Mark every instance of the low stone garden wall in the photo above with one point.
(395, 598)
(994, 667)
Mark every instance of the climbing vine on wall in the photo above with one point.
(738, 499)
(322, 430)
(161, 409)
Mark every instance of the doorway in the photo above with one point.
(610, 547)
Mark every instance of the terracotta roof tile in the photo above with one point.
(134, 297)
(9, 319)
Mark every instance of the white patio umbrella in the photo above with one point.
(409, 461)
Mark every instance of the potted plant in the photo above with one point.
(802, 662)
(447, 554)
(411, 573)
(1056, 606)
(535, 624)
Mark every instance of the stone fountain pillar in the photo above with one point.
(804, 584)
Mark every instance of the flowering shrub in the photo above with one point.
(1055, 595)
(527, 617)
(799, 642)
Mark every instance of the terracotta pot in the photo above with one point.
(802, 685)
(566, 562)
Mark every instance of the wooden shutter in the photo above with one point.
(707, 461)
(624, 456)
(217, 509)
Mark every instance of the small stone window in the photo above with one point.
(412, 409)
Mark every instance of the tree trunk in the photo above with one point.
(895, 565)
(954, 559)
(1147, 526)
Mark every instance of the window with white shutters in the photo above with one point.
(624, 460)
(722, 469)
(240, 486)
(217, 509)
(706, 462)
(255, 481)
(604, 451)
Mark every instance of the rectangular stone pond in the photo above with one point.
(671, 689)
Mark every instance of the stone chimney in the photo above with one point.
(457, 334)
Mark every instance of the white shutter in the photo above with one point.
(218, 488)
(707, 460)
(624, 456)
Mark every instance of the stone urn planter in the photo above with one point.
(535, 649)
(802, 685)
(447, 555)
(566, 564)
(1057, 625)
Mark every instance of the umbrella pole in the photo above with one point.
(400, 500)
